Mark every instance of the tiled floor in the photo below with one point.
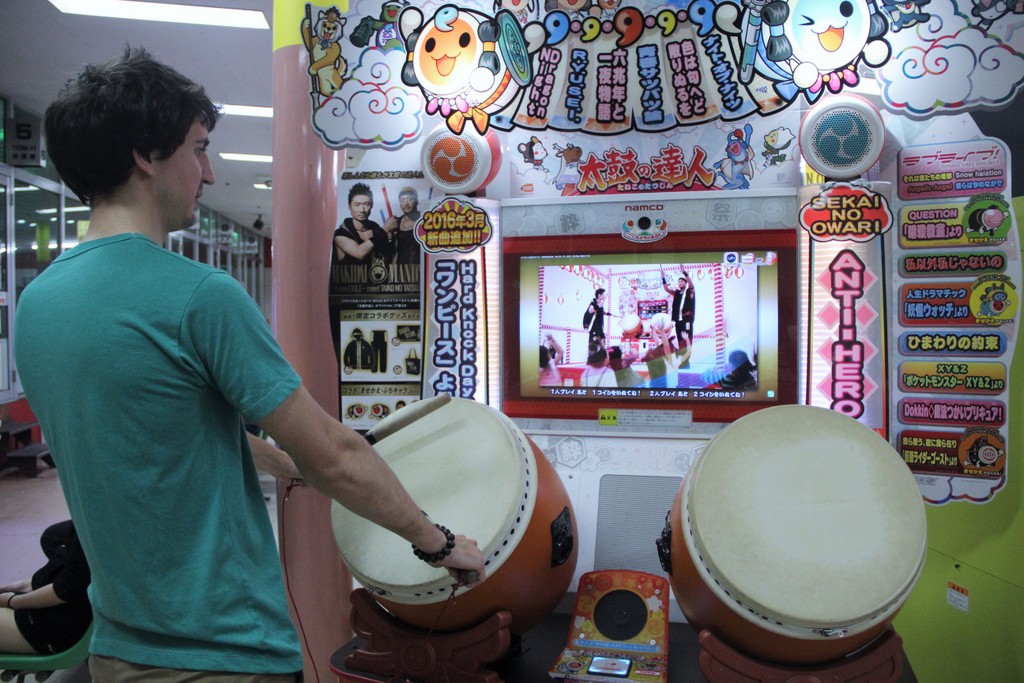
(27, 507)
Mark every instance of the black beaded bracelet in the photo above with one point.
(440, 554)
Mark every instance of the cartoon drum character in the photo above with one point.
(808, 45)
(468, 65)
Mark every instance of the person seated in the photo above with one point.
(551, 354)
(664, 345)
(597, 373)
(51, 612)
(742, 372)
(620, 363)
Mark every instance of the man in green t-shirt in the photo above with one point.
(142, 367)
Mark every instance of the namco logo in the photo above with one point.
(645, 207)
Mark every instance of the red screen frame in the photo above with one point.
(514, 249)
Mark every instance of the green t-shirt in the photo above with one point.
(140, 365)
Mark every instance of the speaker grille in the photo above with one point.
(842, 138)
(452, 160)
(630, 516)
(620, 615)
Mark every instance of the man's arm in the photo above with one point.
(338, 462)
(559, 351)
(272, 460)
(665, 285)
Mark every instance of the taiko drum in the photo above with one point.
(472, 469)
(796, 536)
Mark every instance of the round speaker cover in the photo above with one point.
(842, 137)
(620, 615)
(459, 164)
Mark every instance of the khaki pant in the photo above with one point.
(111, 670)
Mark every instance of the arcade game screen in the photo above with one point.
(700, 321)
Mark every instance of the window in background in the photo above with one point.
(36, 232)
(5, 309)
(76, 222)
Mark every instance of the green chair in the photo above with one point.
(17, 667)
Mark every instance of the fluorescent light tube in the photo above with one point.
(161, 11)
(245, 110)
(231, 156)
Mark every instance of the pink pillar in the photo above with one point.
(304, 215)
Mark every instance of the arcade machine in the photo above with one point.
(725, 299)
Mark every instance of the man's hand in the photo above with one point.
(465, 564)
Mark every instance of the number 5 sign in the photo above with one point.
(23, 142)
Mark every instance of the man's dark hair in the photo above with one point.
(360, 189)
(130, 104)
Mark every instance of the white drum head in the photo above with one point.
(629, 322)
(805, 522)
(471, 469)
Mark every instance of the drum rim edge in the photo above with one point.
(763, 616)
(495, 553)
(775, 623)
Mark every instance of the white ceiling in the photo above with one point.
(41, 49)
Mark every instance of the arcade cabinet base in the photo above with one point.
(619, 630)
(542, 645)
(395, 649)
(879, 662)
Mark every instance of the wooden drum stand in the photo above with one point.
(396, 650)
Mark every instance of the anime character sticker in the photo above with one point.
(534, 153)
(569, 170)
(776, 146)
(989, 11)
(806, 45)
(904, 13)
(381, 31)
(469, 66)
(322, 40)
(737, 168)
(993, 301)
(524, 10)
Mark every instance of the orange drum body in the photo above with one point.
(796, 536)
(632, 326)
(473, 470)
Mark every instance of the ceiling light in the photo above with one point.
(231, 156)
(245, 110)
(159, 11)
(67, 209)
(262, 186)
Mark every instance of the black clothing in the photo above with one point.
(359, 355)
(407, 249)
(381, 245)
(55, 629)
(380, 351)
(595, 320)
(683, 311)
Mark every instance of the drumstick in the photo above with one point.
(405, 417)
(387, 202)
